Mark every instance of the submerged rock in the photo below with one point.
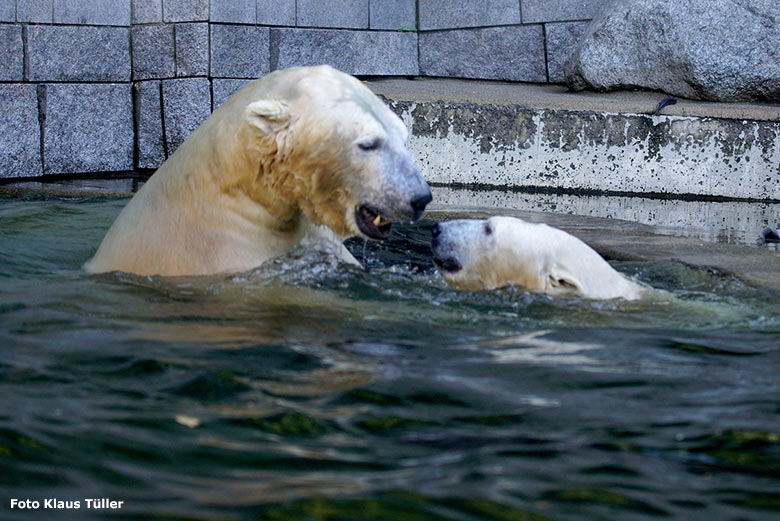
(719, 50)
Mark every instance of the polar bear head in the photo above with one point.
(506, 251)
(327, 147)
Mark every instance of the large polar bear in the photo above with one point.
(506, 251)
(307, 152)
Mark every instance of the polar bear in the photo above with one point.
(302, 153)
(506, 251)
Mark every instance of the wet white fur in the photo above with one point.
(506, 251)
(278, 162)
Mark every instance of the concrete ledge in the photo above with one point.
(725, 221)
(558, 97)
(525, 136)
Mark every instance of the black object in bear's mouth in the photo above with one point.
(372, 223)
(448, 264)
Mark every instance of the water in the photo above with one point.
(309, 390)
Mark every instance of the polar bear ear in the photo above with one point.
(562, 280)
(267, 116)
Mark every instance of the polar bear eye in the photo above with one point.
(370, 144)
(488, 229)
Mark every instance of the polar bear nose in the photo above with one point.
(419, 203)
(435, 234)
(435, 231)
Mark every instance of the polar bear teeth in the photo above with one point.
(372, 223)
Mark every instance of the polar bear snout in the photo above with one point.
(407, 187)
(402, 196)
(419, 202)
(376, 221)
(443, 257)
(445, 248)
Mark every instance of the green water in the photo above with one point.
(309, 390)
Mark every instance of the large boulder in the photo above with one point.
(719, 50)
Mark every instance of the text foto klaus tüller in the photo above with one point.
(59, 504)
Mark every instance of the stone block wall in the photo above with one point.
(116, 85)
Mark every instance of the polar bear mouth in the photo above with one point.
(371, 222)
(447, 264)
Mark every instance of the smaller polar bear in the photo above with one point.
(506, 251)
(302, 154)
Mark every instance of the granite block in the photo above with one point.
(192, 49)
(11, 53)
(222, 89)
(20, 133)
(276, 12)
(239, 51)
(234, 11)
(7, 10)
(562, 39)
(185, 10)
(35, 11)
(149, 139)
(153, 51)
(78, 53)
(536, 11)
(88, 128)
(186, 104)
(147, 11)
(451, 14)
(104, 12)
(494, 53)
(375, 53)
(341, 14)
(392, 14)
